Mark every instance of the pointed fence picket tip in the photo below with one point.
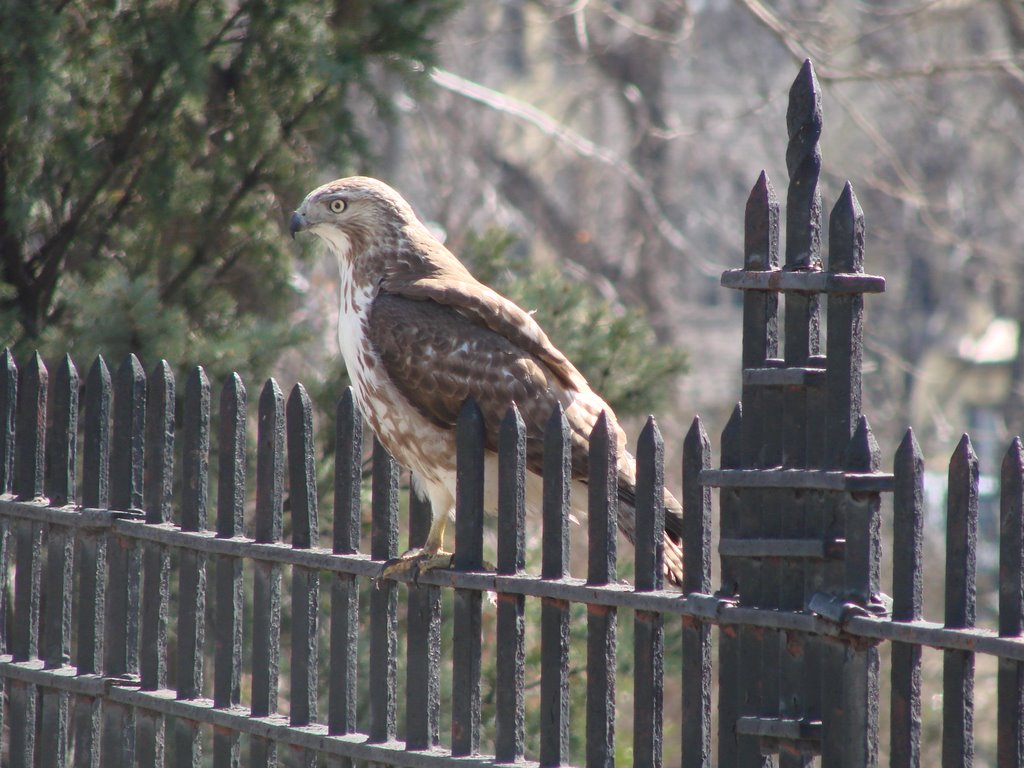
(513, 420)
(131, 369)
(556, 421)
(299, 402)
(99, 373)
(909, 442)
(761, 226)
(67, 365)
(862, 453)
(804, 99)
(1013, 459)
(197, 374)
(964, 454)
(650, 448)
(846, 234)
(696, 436)
(271, 394)
(35, 370)
(650, 434)
(470, 415)
(602, 426)
(346, 401)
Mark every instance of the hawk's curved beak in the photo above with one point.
(297, 223)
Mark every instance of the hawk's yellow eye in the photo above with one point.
(337, 206)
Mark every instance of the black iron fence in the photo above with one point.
(104, 558)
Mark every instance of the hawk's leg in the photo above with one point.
(429, 557)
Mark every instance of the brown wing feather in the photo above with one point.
(443, 278)
(438, 358)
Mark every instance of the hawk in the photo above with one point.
(420, 335)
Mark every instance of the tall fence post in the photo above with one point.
(800, 511)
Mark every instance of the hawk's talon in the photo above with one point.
(415, 561)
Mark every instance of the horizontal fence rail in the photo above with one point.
(172, 593)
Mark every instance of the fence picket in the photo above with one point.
(845, 323)
(961, 560)
(383, 597)
(305, 581)
(859, 730)
(554, 616)
(28, 536)
(649, 626)
(1010, 729)
(121, 642)
(602, 621)
(907, 578)
(344, 650)
(696, 713)
(91, 560)
(268, 528)
(511, 625)
(156, 565)
(192, 569)
(469, 556)
(60, 489)
(60, 551)
(228, 595)
(423, 642)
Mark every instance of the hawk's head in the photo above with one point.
(348, 214)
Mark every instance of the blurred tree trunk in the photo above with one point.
(636, 64)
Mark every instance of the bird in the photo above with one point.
(420, 335)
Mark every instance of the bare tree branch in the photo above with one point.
(578, 145)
